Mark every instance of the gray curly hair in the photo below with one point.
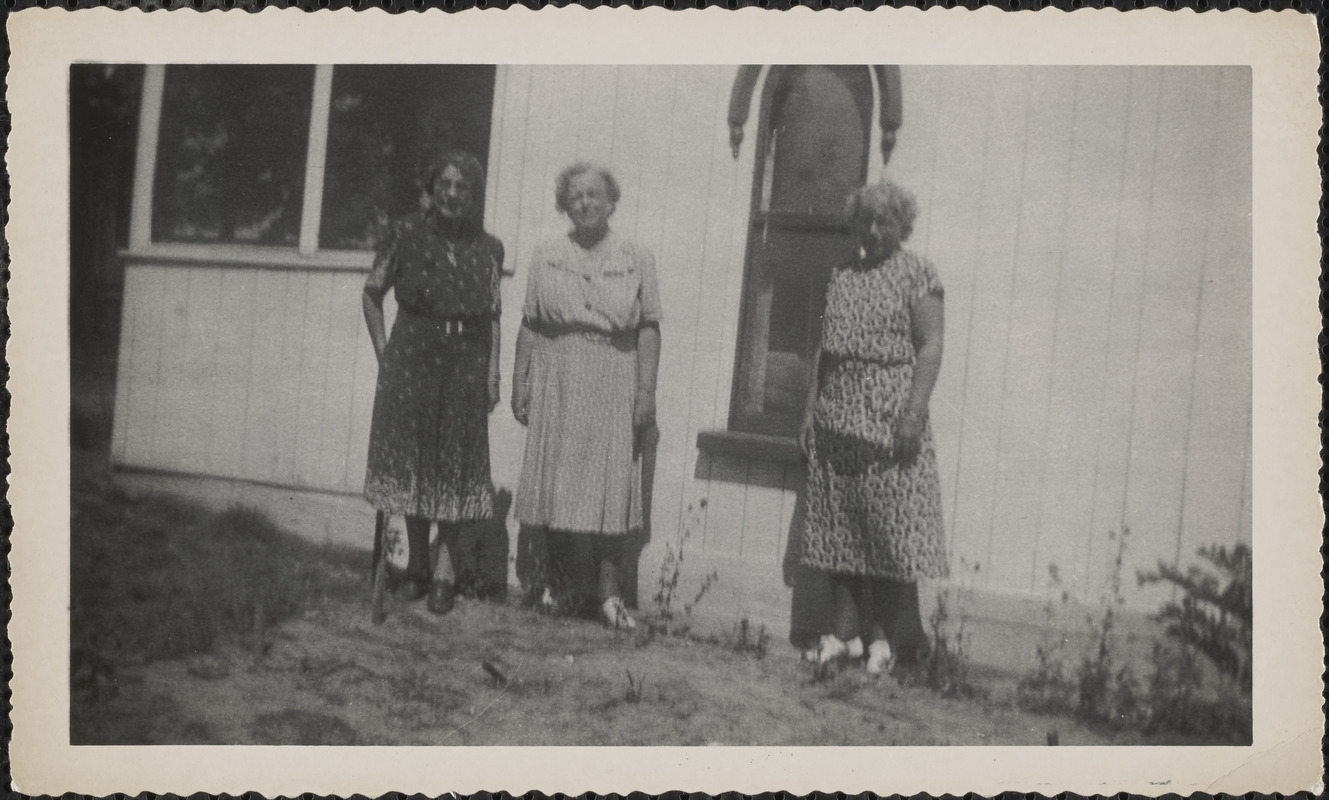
(581, 168)
(884, 199)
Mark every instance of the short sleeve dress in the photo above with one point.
(869, 513)
(580, 471)
(429, 438)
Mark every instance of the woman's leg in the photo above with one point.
(608, 556)
(608, 553)
(846, 594)
(445, 564)
(443, 591)
(570, 562)
(417, 559)
(899, 618)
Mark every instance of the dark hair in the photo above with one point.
(468, 165)
(581, 168)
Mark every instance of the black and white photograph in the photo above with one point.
(455, 402)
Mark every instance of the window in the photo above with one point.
(385, 122)
(302, 156)
(813, 151)
(231, 154)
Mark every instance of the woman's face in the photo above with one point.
(452, 194)
(878, 233)
(587, 202)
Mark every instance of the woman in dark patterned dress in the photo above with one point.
(437, 373)
(873, 498)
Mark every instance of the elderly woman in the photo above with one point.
(584, 384)
(437, 373)
(873, 498)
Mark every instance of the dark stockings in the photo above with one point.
(879, 608)
(418, 559)
(579, 561)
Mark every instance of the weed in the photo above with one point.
(1210, 625)
(1100, 690)
(945, 670)
(635, 688)
(1107, 693)
(664, 619)
(1215, 612)
(945, 667)
(750, 641)
(1048, 688)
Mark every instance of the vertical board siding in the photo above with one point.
(1090, 225)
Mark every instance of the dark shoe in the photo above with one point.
(412, 588)
(442, 597)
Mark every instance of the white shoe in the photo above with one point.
(831, 648)
(616, 615)
(853, 649)
(879, 657)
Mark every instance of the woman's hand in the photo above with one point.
(805, 435)
(521, 402)
(493, 391)
(643, 408)
(908, 436)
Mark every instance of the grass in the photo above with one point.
(194, 626)
(156, 577)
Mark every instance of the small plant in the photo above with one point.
(664, 619)
(1215, 612)
(945, 670)
(635, 688)
(750, 641)
(1210, 625)
(1107, 693)
(1048, 688)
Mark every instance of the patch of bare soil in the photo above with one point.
(492, 674)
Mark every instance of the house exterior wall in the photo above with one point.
(1091, 226)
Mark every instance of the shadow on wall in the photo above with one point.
(483, 547)
(533, 546)
(810, 605)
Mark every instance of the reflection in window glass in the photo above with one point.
(231, 156)
(386, 122)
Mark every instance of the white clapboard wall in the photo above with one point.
(1090, 225)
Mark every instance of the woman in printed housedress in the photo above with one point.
(873, 498)
(584, 385)
(438, 376)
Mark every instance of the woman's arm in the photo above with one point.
(373, 308)
(381, 277)
(927, 329)
(648, 368)
(495, 351)
(521, 370)
(814, 385)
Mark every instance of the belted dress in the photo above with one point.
(429, 435)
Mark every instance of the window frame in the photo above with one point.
(307, 254)
(738, 424)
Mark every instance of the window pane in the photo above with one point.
(786, 295)
(231, 159)
(820, 139)
(385, 123)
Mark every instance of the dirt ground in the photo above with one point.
(331, 677)
(148, 572)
